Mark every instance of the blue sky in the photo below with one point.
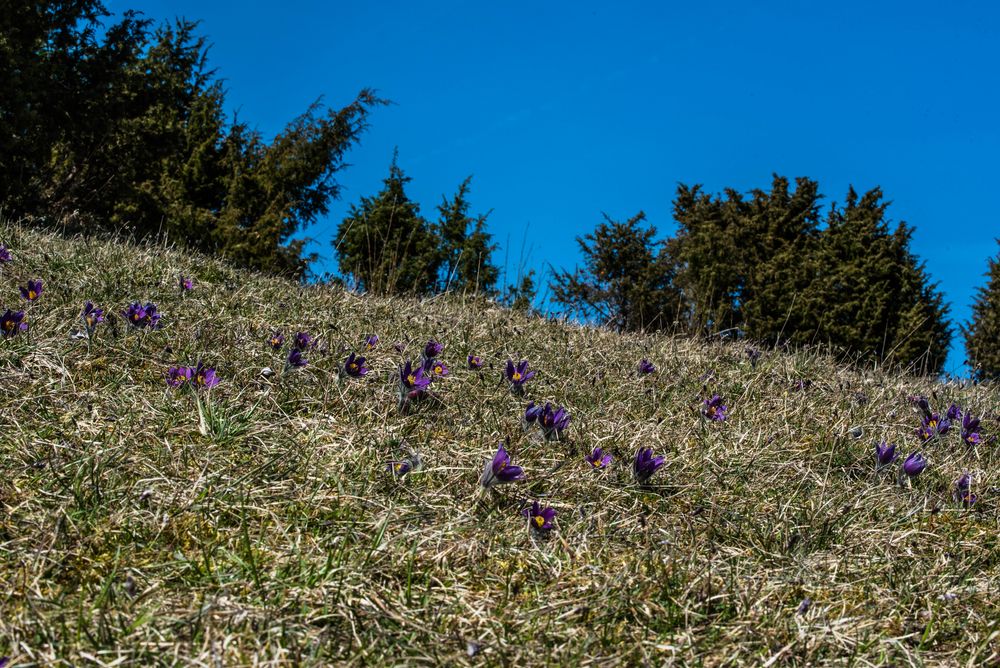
(564, 110)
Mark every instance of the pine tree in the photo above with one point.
(385, 245)
(626, 280)
(982, 334)
(465, 246)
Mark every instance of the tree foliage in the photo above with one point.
(982, 334)
(465, 246)
(127, 132)
(626, 280)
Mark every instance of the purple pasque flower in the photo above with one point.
(354, 366)
(204, 376)
(5, 255)
(140, 315)
(885, 454)
(932, 426)
(518, 375)
(277, 340)
(92, 316)
(475, 362)
(970, 430)
(540, 519)
(963, 491)
(922, 403)
(645, 465)
(371, 342)
(435, 368)
(598, 459)
(12, 322)
(914, 464)
(33, 291)
(500, 471)
(433, 349)
(646, 367)
(531, 414)
(954, 412)
(303, 341)
(185, 284)
(295, 360)
(413, 383)
(178, 376)
(713, 409)
(553, 422)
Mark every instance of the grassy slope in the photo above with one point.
(279, 538)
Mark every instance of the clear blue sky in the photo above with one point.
(562, 110)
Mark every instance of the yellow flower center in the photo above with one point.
(539, 521)
(439, 369)
(516, 376)
(411, 379)
(32, 294)
(399, 466)
(354, 366)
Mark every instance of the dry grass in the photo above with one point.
(129, 537)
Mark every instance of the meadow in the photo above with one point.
(286, 513)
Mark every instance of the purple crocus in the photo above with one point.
(295, 360)
(185, 284)
(433, 349)
(354, 366)
(475, 362)
(963, 491)
(540, 519)
(500, 470)
(553, 422)
(204, 376)
(713, 409)
(598, 459)
(303, 341)
(970, 430)
(178, 376)
(33, 291)
(531, 414)
(412, 383)
(371, 342)
(645, 465)
(139, 315)
(922, 404)
(92, 316)
(914, 464)
(932, 426)
(12, 322)
(277, 340)
(5, 255)
(518, 375)
(646, 367)
(954, 412)
(435, 368)
(885, 454)
(400, 468)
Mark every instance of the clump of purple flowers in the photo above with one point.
(518, 375)
(33, 291)
(552, 421)
(12, 322)
(499, 470)
(885, 454)
(646, 367)
(198, 377)
(177, 376)
(645, 465)
(598, 459)
(539, 519)
(933, 425)
(92, 316)
(142, 316)
(354, 366)
(713, 409)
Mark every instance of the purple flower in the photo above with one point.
(645, 464)
(475, 362)
(204, 376)
(303, 342)
(435, 368)
(539, 518)
(5, 255)
(954, 412)
(178, 375)
(646, 367)
(400, 468)
(500, 470)
(885, 454)
(371, 342)
(354, 366)
(412, 383)
(432, 349)
(914, 464)
(922, 404)
(598, 460)
(932, 426)
(713, 409)
(139, 315)
(518, 375)
(963, 491)
(531, 413)
(553, 422)
(970, 430)
(92, 316)
(295, 360)
(186, 283)
(12, 322)
(33, 291)
(277, 340)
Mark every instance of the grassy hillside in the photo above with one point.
(268, 531)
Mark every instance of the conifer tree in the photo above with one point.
(465, 246)
(385, 245)
(982, 334)
(626, 280)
